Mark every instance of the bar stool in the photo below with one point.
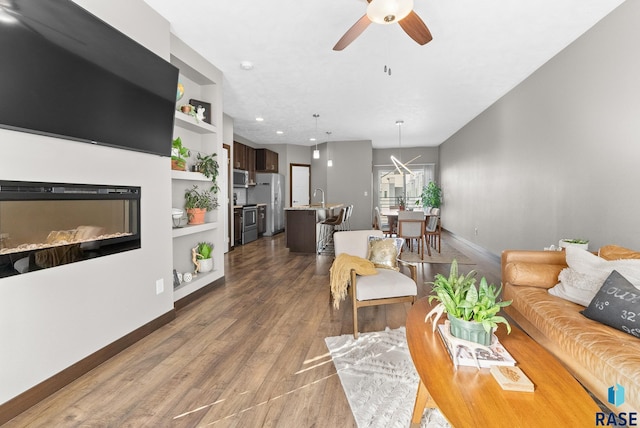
(327, 228)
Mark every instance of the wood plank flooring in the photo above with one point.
(249, 354)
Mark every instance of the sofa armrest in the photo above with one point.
(532, 268)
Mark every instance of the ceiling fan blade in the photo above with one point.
(416, 28)
(352, 33)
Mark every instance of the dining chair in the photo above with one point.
(377, 223)
(411, 226)
(387, 287)
(433, 231)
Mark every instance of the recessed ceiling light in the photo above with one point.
(279, 132)
(259, 119)
(312, 139)
(246, 65)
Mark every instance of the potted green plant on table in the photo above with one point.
(402, 203)
(179, 155)
(472, 311)
(431, 196)
(197, 203)
(208, 165)
(204, 255)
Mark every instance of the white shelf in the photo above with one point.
(197, 283)
(189, 122)
(188, 175)
(190, 230)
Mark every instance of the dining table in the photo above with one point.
(392, 217)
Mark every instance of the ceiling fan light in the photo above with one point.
(388, 11)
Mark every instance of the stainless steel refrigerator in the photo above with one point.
(269, 189)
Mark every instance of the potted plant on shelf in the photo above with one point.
(179, 153)
(204, 254)
(208, 165)
(197, 203)
(431, 196)
(472, 311)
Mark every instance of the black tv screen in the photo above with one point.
(65, 72)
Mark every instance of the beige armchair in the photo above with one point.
(387, 287)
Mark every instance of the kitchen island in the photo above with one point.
(303, 225)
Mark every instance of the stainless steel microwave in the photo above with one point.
(240, 178)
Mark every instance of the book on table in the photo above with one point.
(486, 357)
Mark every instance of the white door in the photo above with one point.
(300, 179)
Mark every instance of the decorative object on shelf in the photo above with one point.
(179, 153)
(459, 297)
(176, 279)
(206, 110)
(204, 256)
(431, 196)
(179, 92)
(197, 203)
(208, 165)
(580, 243)
(190, 110)
(187, 277)
(177, 216)
(194, 259)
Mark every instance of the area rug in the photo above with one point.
(379, 379)
(446, 255)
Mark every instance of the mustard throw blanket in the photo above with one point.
(340, 273)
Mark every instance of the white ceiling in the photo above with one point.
(480, 50)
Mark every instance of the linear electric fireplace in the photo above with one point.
(43, 225)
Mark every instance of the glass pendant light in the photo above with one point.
(316, 152)
(329, 161)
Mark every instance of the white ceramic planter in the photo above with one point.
(206, 265)
(564, 243)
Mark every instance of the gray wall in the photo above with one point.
(558, 156)
(349, 179)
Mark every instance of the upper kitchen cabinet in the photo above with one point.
(202, 85)
(266, 160)
(244, 157)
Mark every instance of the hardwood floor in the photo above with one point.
(249, 354)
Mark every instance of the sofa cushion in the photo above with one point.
(384, 252)
(617, 304)
(586, 273)
(388, 283)
(610, 355)
(615, 252)
(532, 274)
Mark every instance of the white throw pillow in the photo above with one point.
(586, 273)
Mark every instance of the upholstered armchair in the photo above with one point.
(386, 287)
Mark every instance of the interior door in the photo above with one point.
(300, 184)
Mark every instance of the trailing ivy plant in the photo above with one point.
(210, 168)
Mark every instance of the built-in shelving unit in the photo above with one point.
(202, 81)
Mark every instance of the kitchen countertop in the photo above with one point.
(316, 207)
(241, 206)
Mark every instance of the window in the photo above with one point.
(391, 185)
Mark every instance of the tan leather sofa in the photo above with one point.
(598, 356)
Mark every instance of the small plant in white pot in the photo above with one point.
(472, 311)
(204, 254)
(580, 243)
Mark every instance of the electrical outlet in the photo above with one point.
(159, 285)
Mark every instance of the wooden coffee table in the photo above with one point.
(469, 397)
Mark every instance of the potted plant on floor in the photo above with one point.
(179, 153)
(472, 311)
(431, 196)
(204, 254)
(197, 203)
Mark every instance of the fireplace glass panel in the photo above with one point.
(43, 225)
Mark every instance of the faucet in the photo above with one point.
(316, 191)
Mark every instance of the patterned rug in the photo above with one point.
(446, 255)
(379, 379)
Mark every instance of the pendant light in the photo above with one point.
(329, 161)
(316, 152)
(398, 162)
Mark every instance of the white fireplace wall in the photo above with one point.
(53, 318)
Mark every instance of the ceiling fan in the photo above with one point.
(388, 12)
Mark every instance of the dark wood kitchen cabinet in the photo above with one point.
(240, 160)
(266, 160)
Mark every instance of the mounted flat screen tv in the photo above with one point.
(64, 72)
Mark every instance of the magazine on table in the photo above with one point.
(493, 355)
